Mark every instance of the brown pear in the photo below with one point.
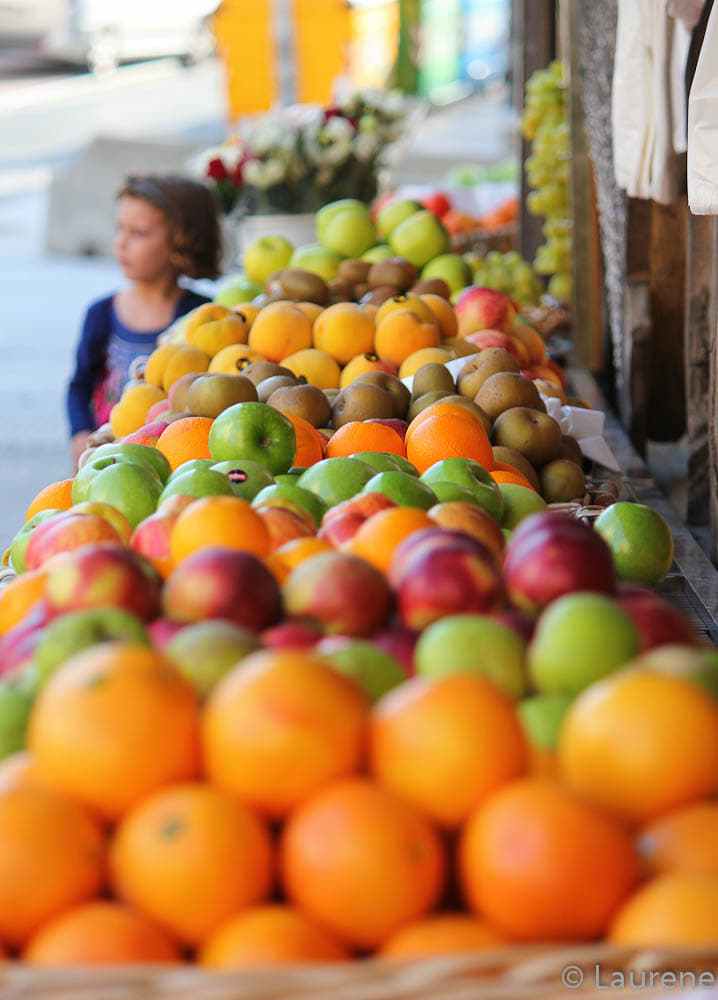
(509, 456)
(430, 377)
(305, 401)
(535, 434)
(481, 366)
(503, 390)
(211, 394)
(421, 402)
(561, 481)
(570, 449)
(361, 401)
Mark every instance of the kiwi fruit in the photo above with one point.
(305, 401)
(431, 286)
(395, 271)
(257, 371)
(340, 290)
(360, 290)
(354, 271)
(180, 389)
(303, 286)
(361, 401)
(400, 395)
(380, 294)
(211, 394)
(269, 385)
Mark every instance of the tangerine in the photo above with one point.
(448, 434)
(671, 911)
(54, 496)
(379, 535)
(228, 522)
(185, 439)
(682, 841)
(364, 435)
(442, 934)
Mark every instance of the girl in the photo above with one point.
(166, 227)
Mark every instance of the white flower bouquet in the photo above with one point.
(303, 157)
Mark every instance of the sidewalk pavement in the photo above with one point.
(44, 297)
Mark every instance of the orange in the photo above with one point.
(424, 356)
(444, 745)
(185, 439)
(540, 864)
(401, 333)
(52, 856)
(431, 411)
(369, 362)
(380, 534)
(234, 359)
(363, 435)
(117, 722)
(447, 434)
(293, 553)
(509, 475)
(618, 745)
(671, 911)
(19, 595)
(361, 861)
(226, 521)
(54, 496)
(443, 312)
(310, 444)
(343, 331)
(103, 932)
(317, 367)
(280, 329)
(280, 726)
(443, 934)
(183, 361)
(268, 935)
(191, 856)
(682, 841)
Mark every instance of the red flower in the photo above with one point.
(217, 170)
(330, 113)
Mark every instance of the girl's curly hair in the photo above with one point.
(191, 213)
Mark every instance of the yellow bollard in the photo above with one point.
(245, 41)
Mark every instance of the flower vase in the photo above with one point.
(297, 228)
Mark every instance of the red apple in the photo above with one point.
(285, 524)
(479, 308)
(147, 435)
(495, 338)
(400, 643)
(518, 620)
(551, 554)
(436, 202)
(400, 426)
(471, 520)
(426, 540)
(291, 634)
(175, 503)
(223, 583)
(449, 580)
(104, 575)
(161, 406)
(342, 593)
(65, 532)
(161, 630)
(342, 522)
(285, 503)
(151, 538)
(17, 645)
(659, 622)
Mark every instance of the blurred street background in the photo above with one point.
(50, 114)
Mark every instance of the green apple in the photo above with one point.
(452, 268)
(380, 461)
(639, 539)
(310, 501)
(375, 670)
(377, 253)
(580, 638)
(290, 478)
(419, 238)
(404, 489)
(256, 432)
(327, 213)
(264, 256)
(190, 466)
(317, 259)
(472, 475)
(349, 233)
(198, 483)
(336, 479)
(133, 489)
(447, 492)
(473, 644)
(76, 630)
(206, 651)
(541, 716)
(237, 288)
(140, 453)
(393, 214)
(85, 475)
(248, 478)
(519, 502)
(15, 707)
(18, 546)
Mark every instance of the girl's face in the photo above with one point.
(142, 240)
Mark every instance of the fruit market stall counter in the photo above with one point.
(512, 973)
(693, 580)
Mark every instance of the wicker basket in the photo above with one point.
(513, 973)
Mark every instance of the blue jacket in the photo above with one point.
(92, 355)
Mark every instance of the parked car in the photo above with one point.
(103, 33)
